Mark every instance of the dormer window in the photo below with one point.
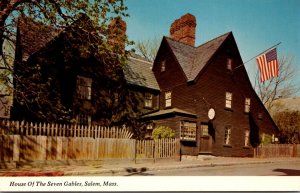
(84, 87)
(229, 64)
(163, 66)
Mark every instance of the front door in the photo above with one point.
(205, 139)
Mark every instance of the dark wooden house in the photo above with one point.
(208, 102)
(196, 91)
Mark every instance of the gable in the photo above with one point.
(193, 59)
(32, 36)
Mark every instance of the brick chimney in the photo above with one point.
(117, 28)
(184, 29)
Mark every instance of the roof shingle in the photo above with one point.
(139, 72)
(193, 59)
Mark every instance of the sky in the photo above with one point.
(256, 24)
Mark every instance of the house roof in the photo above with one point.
(169, 111)
(34, 35)
(193, 59)
(138, 71)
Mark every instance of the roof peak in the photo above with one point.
(179, 42)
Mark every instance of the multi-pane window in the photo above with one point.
(247, 141)
(188, 131)
(149, 126)
(83, 119)
(228, 100)
(227, 135)
(247, 105)
(204, 129)
(148, 100)
(163, 66)
(84, 87)
(168, 98)
(229, 64)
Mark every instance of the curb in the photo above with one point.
(157, 168)
(133, 169)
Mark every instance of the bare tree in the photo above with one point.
(282, 86)
(148, 48)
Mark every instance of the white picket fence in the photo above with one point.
(62, 130)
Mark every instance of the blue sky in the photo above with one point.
(256, 24)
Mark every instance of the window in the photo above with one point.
(163, 66)
(260, 116)
(229, 64)
(149, 126)
(168, 98)
(188, 131)
(84, 87)
(227, 135)
(148, 100)
(83, 119)
(247, 105)
(247, 138)
(204, 129)
(228, 100)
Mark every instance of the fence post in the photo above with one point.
(154, 151)
(135, 150)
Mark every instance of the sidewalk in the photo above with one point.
(119, 169)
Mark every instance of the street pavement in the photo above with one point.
(131, 168)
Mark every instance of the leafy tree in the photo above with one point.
(162, 132)
(282, 86)
(94, 38)
(289, 124)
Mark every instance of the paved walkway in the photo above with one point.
(132, 168)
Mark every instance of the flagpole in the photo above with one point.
(255, 56)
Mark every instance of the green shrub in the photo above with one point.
(163, 132)
(267, 139)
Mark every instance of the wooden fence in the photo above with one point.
(158, 149)
(26, 142)
(52, 130)
(277, 150)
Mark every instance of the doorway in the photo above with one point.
(205, 139)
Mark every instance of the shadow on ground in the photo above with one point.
(288, 172)
(137, 171)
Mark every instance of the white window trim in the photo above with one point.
(247, 138)
(228, 100)
(229, 64)
(163, 66)
(188, 130)
(227, 140)
(148, 100)
(168, 99)
(247, 105)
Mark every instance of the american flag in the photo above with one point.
(268, 65)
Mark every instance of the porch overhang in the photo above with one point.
(171, 111)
